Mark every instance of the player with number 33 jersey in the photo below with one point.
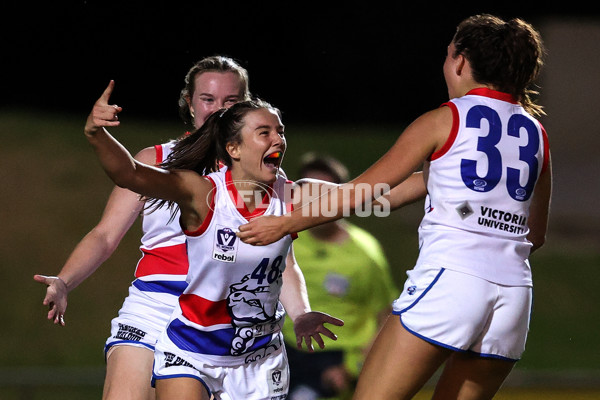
(487, 181)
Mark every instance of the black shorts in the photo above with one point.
(306, 368)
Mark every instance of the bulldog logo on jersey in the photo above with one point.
(225, 245)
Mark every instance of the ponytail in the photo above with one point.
(205, 149)
(197, 152)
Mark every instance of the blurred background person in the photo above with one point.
(347, 275)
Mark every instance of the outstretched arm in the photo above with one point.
(419, 140)
(308, 324)
(179, 186)
(121, 211)
(409, 191)
(116, 161)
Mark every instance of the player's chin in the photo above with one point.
(270, 173)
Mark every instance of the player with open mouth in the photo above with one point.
(273, 160)
(226, 328)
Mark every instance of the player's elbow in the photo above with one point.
(101, 243)
(537, 240)
(126, 178)
(122, 178)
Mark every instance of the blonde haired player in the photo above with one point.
(211, 84)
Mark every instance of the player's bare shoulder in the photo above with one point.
(437, 125)
(147, 155)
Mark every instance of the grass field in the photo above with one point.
(65, 392)
(54, 192)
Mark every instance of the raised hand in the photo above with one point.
(56, 297)
(103, 114)
(311, 326)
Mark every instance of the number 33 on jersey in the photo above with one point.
(487, 170)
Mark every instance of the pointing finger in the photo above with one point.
(107, 92)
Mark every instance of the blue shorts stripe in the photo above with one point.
(422, 294)
(157, 378)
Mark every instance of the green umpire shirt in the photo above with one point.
(350, 281)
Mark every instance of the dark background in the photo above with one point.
(355, 62)
(340, 74)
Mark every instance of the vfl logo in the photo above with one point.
(411, 290)
(226, 239)
(276, 376)
(278, 384)
(225, 245)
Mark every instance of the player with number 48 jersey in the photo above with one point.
(231, 306)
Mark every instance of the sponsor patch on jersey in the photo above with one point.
(464, 210)
(225, 244)
(278, 383)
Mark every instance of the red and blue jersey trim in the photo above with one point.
(204, 312)
(208, 218)
(453, 132)
(168, 260)
(174, 288)
(215, 343)
(493, 94)
(159, 153)
(239, 202)
(171, 260)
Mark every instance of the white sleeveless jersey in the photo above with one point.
(230, 313)
(479, 189)
(162, 270)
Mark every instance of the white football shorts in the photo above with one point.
(465, 313)
(265, 379)
(141, 319)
